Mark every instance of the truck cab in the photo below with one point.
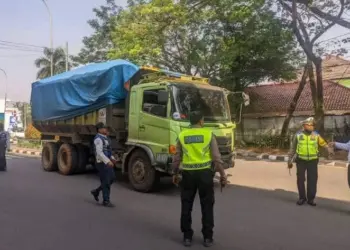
(159, 110)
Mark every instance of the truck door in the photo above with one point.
(154, 122)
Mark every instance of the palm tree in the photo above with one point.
(44, 63)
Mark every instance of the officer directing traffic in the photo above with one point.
(305, 149)
(104, 164)
(197, 151)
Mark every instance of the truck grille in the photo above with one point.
(225, 144)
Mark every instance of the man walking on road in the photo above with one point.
(4, 144)
(104, 164)
(345, 147)
(305, 147)
(197, 150)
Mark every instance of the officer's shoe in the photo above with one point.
(107, 204)
(208, 242)
(301, 202)
(187, 242)
(312, 203)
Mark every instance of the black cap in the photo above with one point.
(195, 117)
(100, 125)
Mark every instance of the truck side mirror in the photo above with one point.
(246, 99)
(163, 97)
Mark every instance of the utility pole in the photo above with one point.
(24, 116)
(5, 88)
(67, 57)
(51, 34)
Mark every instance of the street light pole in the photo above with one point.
(51, 34)
(5, 88)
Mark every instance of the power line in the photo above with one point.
(21, 49)
(332, 38)
(23, 44)
(16, 56)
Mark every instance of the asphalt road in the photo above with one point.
(46, 211)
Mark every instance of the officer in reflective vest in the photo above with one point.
(305, 149)
(197, 151)
(104, 163)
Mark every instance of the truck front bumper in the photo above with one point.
(229, 160)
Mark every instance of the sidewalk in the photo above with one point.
(251, 155)
(25, 151)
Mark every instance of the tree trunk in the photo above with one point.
(313, 86)
(294, 102)
(320, 107)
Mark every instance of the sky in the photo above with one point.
(27, 21)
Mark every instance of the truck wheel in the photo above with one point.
(67, 159)
(141, 173)
(82, 158)
(49, 156)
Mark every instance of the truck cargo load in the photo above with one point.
(81, 90)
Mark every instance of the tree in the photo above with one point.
(327, 10)
(231, 43)
(304, 25)
(99, 43)
(44, 63)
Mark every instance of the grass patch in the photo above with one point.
(33, 144)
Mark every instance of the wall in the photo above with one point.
(254, 127)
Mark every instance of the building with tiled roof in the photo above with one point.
(335, 68)
(274, 100)
(269, 104)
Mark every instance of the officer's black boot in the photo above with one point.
(187, 242)
(311, 203)
(208, 242)
(301, 202)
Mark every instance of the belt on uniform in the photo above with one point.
(198, 166)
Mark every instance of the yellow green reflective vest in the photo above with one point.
(307, 147)
(195, 143)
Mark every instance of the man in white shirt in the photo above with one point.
(104, 163)
(4, 145)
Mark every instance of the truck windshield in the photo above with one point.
(188, 98)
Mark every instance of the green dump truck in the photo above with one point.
(144, 122)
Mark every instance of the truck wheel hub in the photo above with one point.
(139, 171)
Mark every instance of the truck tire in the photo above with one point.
(142, 175)
(49, 156)
(83, 159)
(67, 159)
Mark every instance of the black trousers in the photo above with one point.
(201, 180)
(2, 158)
(311, 169)
(106, 175)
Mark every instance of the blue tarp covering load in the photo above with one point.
(81, 90)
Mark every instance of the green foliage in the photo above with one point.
(232, 43)
(99, 43)
(44, 63)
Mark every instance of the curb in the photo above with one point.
(284, 158)
(25, 152)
